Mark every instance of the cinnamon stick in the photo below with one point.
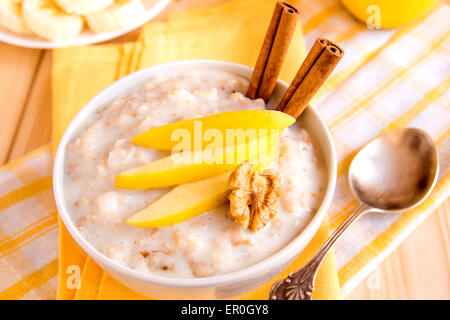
(315, 70)
(273, 51)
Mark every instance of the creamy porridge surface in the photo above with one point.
(209, 244)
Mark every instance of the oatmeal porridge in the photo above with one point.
(209, 244)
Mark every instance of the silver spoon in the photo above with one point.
(392, 173)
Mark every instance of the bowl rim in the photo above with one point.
(284, 254)
(35, 42)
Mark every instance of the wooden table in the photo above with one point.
(418, 269)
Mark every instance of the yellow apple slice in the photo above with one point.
(163, 138)
(184, 202)
(187, 201)
(189, 166)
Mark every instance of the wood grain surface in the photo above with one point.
(418, 269)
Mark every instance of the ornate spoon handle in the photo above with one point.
(300, 285)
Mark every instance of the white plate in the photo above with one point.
(85, 38)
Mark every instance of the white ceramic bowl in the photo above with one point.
(221, 286)
(85, 38)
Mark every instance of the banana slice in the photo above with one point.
(82, 7)
(49, 22)
(11, 17)
(121, 15)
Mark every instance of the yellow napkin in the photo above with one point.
(231, 32)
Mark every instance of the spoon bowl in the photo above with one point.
(396, 171)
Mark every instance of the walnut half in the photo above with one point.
(253, 200)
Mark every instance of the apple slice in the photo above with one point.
(189, 166)
(184, 202)
(162, 138)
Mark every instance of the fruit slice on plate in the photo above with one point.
(49, 21)
(121, 15)
(189, 166)
(82, 7)
(11, 17)
(184, 202)
(161, 137)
